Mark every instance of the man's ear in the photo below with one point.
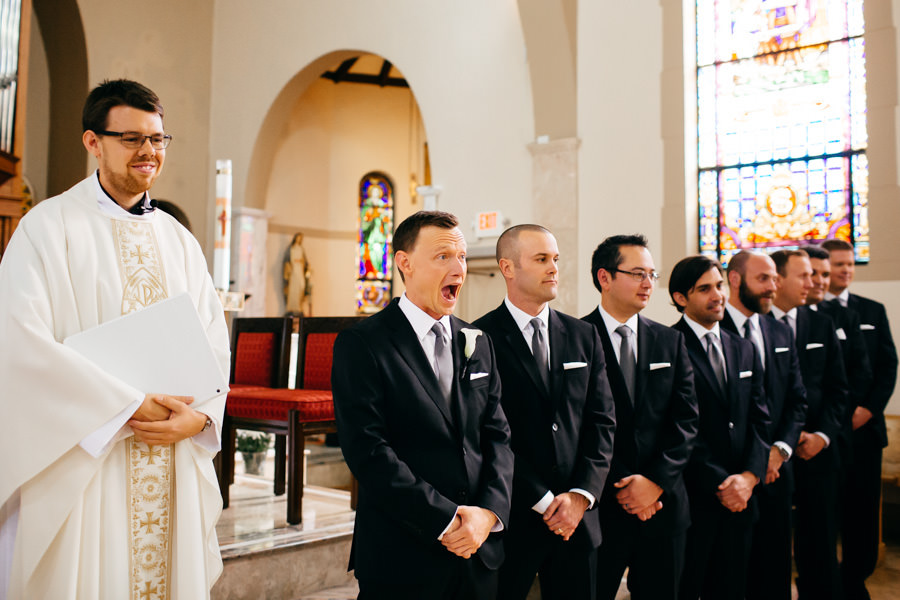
(507, 268)
(91, 142)
(734, 279)
(680, 299)
(603, 278)
(401, 259)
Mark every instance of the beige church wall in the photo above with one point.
(335, 134)
(168, 48)
(620, 174)
(37, 111)
(465, 62)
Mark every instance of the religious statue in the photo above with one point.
(297, 288)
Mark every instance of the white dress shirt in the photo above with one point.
(842, 298)
(612, 324)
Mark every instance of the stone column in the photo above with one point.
(555, 200)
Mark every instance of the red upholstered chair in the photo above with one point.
(260, 357)
(307, 410)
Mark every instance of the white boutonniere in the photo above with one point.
(471, 336)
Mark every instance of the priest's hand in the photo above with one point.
(475, 524)
(183, 422)
(151, 410)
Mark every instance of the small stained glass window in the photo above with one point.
(781, 99)
(376, 231)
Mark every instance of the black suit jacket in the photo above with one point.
(562, 437)
(822, 367)
(654, 434)
(416, 458)
(785, 393)
(734, 427)
(876, 330)
(856, 364)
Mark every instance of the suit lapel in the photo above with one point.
(520, 349)
(699, 357)
(558, 341)
(404, 339)
(646, 339)
(613, 372)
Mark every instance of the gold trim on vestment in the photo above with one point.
(151, 469)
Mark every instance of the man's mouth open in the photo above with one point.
(450, 292)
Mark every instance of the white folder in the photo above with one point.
(161, 349)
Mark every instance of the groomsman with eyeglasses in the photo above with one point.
(816, 473)
(644, 508)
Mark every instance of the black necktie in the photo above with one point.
(715, 359)
(539, 349)
(442, 359)
(626, 358)
(748, 330)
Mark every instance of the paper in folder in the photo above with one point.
(161, 349)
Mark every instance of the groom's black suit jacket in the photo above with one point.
(416, 456)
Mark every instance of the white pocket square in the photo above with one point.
(866, 327)
(840, 333)
(745, 374)
(777, 350)
(813, 346)
(655, 366)
(574, 365)
(475, 376)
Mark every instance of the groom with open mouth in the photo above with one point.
(417, 400)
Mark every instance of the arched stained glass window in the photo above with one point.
(781, 97)
(376, 231)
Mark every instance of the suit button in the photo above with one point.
(462, 494)
(555, 427)
(730, 425)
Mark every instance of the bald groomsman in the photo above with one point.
(816, 473)
(561, 417)
(731, 451)
(861, 497)
(644, 510)
(751, 285)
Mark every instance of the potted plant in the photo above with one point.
(253, 446)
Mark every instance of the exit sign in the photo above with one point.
(489, 224)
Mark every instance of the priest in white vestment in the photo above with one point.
(106, 492)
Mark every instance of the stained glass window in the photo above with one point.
(376, 231)
(781, 99)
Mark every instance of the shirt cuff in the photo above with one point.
(824, 437)
(785, 448)
(544, 503)
(97, 442)
(210, 439)
(444, 532)
(586, 494)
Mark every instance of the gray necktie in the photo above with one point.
(714, 353)
(539, 349)
(626, 358)
(748, 330)
(748, 335)
(443, 359)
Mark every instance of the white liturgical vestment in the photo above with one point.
(81, 518)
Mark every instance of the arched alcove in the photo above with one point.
(317, 139)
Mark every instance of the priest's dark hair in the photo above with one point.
(407, 232)
(608, 256)
(687, 272)
(113, 93)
